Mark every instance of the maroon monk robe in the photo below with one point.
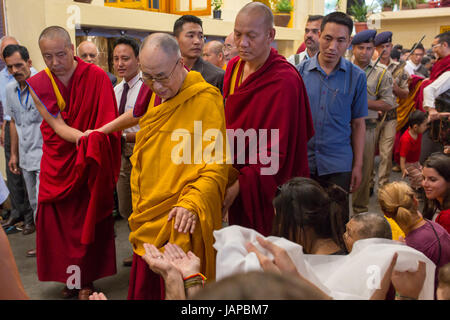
(74, 223)
(274, 97)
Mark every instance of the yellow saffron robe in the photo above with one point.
(406, 106)
(158, 184)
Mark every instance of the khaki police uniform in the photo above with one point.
(387, 123)
(379, 87)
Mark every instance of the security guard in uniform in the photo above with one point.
(387, 121)
(379, 92)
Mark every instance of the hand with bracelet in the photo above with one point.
(188, 265)
(174, 266)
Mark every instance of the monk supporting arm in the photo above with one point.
(58, 125)
(125, 121)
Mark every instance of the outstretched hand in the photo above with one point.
(187, 264)
(173, 260)
(157, 261)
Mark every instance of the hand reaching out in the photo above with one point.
(187, 264)
(173, 266)
(173, 260)
(158, 262)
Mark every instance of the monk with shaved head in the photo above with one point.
(178, 178)
(213, 53)
(265, 94)
(74, 223)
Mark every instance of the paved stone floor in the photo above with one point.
(115, 287)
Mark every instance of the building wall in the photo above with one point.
(27, 18)
(408, 26)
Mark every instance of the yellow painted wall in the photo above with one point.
(408, 26)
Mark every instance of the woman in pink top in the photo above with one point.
(436, 184)
(397, 201)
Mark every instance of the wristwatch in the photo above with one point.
(124, 136)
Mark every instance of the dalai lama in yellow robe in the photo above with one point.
(179, 173)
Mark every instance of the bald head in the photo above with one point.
(162, 65)
(254, 33)
(258, 9)
(213, 53)
(6, 41)
(161, 41)
(58, 51)
(88, 52)
(56, 32)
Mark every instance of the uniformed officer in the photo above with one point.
(380, 99)
(387, 122)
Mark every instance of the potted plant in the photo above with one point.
(409, 4)
(360, 11)
(388, 5)
(282, 14)
(217, 13)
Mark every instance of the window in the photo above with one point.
(194, 7)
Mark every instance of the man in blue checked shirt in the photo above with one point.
(337, 92)
(20, 206)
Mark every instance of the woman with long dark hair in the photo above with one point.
(436, 184)
(311, 216)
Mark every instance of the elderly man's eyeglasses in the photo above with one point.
(435, 45)
(228, 47)
(161, 80)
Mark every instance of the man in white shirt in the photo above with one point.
(439, 86)
(126, 65)
(311, 38)
(414, 60)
